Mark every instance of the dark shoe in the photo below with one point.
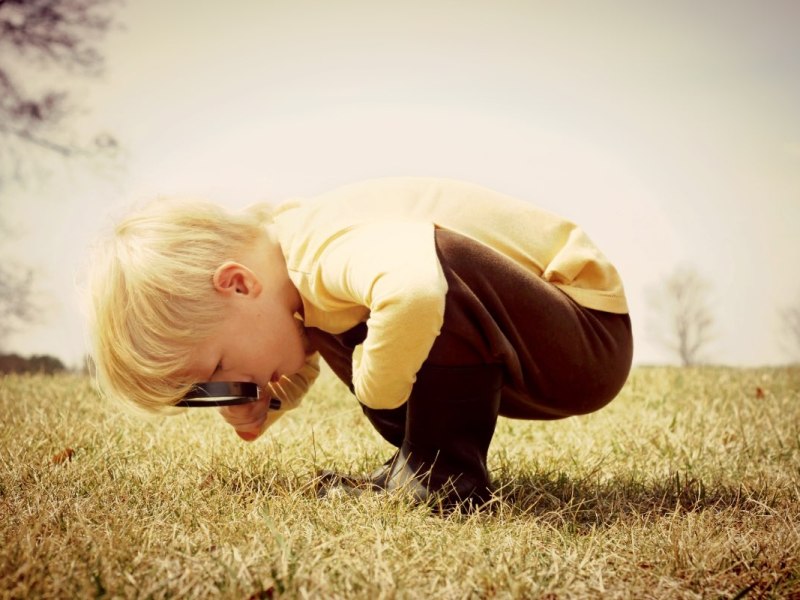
(391, 424)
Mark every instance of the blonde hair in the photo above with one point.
(152, 297)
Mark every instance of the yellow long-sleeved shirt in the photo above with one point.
(365, 252)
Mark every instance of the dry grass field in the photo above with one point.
(686, 486)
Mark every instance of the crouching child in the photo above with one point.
(440, 304)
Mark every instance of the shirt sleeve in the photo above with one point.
(391, 268)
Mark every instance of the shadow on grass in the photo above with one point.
(554, 497)
(592, 503)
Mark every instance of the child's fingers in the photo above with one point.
(246, 419)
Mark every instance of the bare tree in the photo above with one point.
(40, 42)
(790, 319)
(15, 300)
(681, 320)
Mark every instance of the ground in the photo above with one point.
(686, 486)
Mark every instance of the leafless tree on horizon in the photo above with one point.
(790, 334)
(681, 320)
(16, 306)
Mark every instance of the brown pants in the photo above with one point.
(559, 358)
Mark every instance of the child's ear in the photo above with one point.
(234, 278)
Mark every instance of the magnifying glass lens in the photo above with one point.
(224, 393)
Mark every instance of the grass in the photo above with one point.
(686, 486)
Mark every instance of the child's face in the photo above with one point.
(258, 339)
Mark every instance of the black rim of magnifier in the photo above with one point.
(223, 393)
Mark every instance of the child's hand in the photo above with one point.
(247, 419)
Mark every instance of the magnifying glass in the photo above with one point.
(224, 393)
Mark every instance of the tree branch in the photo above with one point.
(27, 136)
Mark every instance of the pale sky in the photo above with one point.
(669, 130)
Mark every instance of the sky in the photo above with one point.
(670, 131)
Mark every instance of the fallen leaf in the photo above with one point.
(64, 456)
(263, 594)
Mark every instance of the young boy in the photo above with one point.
(441, 304)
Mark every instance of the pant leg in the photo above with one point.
(337, 351)
(559, 358)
